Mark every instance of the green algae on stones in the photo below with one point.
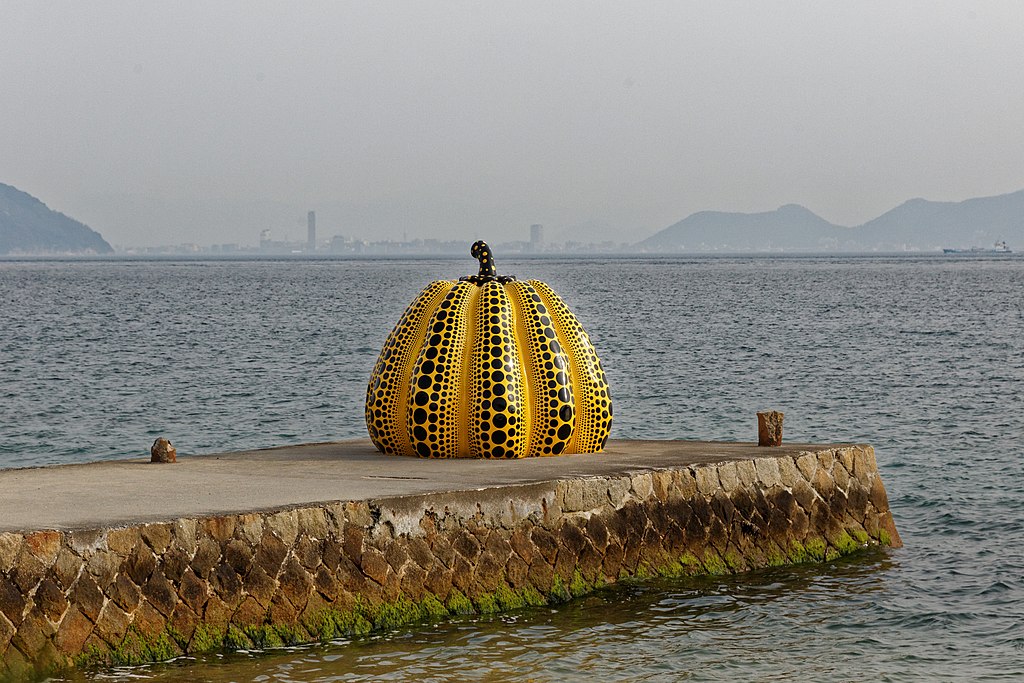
(459, 604)
(578, 587)
(713, 564)
(845, 544)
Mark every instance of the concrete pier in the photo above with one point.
(129, 561)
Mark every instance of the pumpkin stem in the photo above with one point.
(482, 253)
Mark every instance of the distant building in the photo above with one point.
(536, 237)
(311, 231)
(340, 245)
(268, 245)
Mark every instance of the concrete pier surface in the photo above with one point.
(112, 493)
(128, 561)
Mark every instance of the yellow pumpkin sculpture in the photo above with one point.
(488, 367)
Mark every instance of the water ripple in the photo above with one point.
(921, 357)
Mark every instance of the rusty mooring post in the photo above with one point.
(163, 451)
(769, 428)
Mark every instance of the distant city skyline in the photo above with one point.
(209, 123)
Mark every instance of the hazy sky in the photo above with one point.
(169, 122)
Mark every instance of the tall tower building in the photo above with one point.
(311, 228)
(536, 237)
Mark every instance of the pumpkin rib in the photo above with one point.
(464, 439)
(388, 388)
(432, 421)
(592, 399)
(527, 413)
(554, 414)
(497, 398)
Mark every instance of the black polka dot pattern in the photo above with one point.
(488, 367)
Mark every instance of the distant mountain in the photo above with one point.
(917, 224)
(27, 226)
(789, 227)
(978, 222)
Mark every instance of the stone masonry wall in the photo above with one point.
(262, 579)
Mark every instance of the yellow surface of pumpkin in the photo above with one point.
(488, 367)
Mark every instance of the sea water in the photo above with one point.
(922, 357)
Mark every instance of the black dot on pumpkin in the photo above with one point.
(566, 413)
(423, 449)
(498, 436)
(500, 420)
(422, 398)
(499, 389)
(498, 452)
(558, 447)
(500, 404)
(563, 394)
(565, 431)
(424, 382)
(419, 433)
(419, 416)
(427, 368)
